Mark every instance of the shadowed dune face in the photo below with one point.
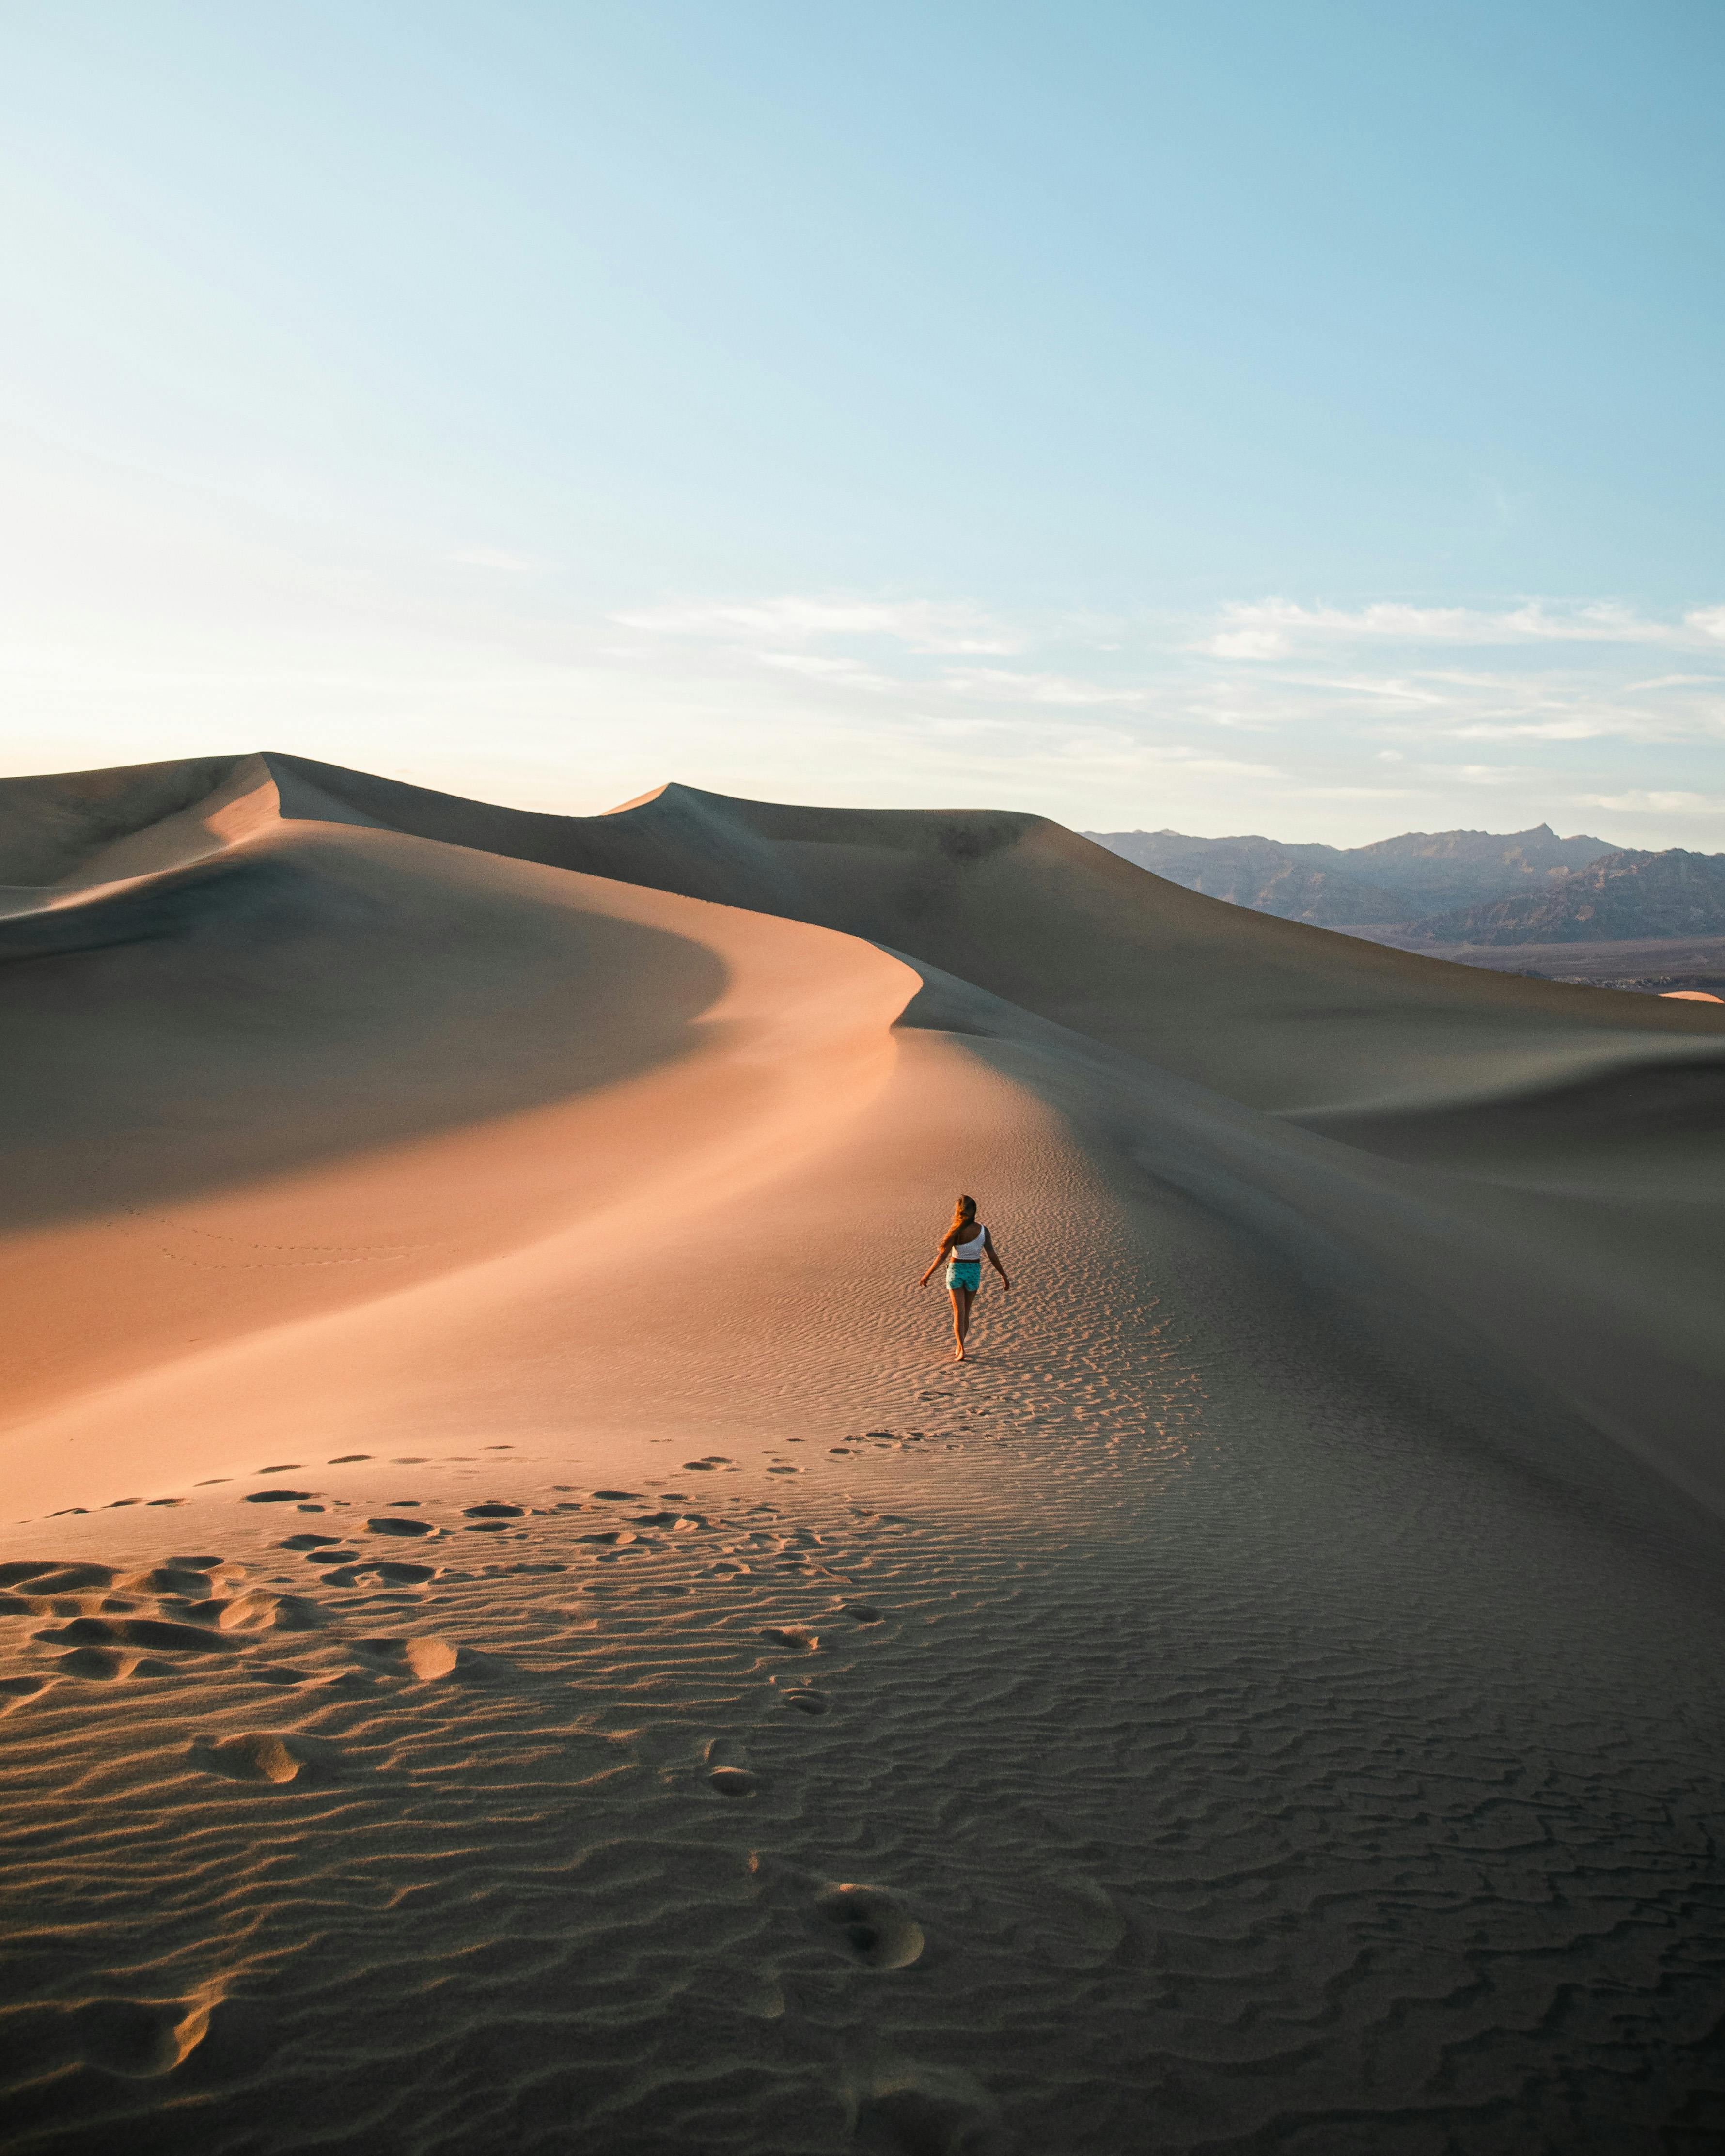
(52, 827)
(1270, 1012)
(325, 994)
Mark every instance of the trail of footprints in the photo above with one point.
(84, 1630)
(195, 1613)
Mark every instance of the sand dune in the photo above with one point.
(486, 1240)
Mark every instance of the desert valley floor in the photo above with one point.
(514, 1635)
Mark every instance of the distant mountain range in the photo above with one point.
(1474, 887)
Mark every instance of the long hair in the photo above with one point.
(963, 1220)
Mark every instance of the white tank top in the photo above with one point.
(973, 1249)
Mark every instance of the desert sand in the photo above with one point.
(517, 1635)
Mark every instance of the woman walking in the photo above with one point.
(965, 1246)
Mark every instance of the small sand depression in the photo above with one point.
(97, 1665)
(423, 1658)
(131, 2038)
(253, 1756)
(925, 2112)
(875, 1927)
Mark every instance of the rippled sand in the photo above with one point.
(514, 1636)
(1219, 1760)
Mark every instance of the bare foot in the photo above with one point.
(957, 1354)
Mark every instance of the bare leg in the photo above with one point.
(961, 1319)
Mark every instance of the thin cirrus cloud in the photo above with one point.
(927, 625)
(1276, 627)
(1539, 671)
(1382, 715)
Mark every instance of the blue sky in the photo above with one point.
(1300, 417)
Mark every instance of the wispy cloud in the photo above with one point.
(1012, 686)
(932, 625)
(1638, 800)
(1276, 627)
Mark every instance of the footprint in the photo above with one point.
(1073, 1922)
(421, 1657)
(808, 1701)
(308, 1542)
(929, 2112)
(621, 1497)
(158, 1632)
(17, 1691)
(280, 1467)
(786, 1471)
(255, 1756)
(137, 2039)
(240, 1612)
(171, 1579)
(104, 1664)
(877, 1930)
(794, 1639)
(58, 1577)
(346, 1459)
(492, 1511)
(382, 1527)
(277, 1497)
(862, 1613)
(726, 1771)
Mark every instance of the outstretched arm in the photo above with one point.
(994, 1258)
(946, 1245)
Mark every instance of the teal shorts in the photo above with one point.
(964, 1272)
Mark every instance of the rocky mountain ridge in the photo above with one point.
(1478, 888)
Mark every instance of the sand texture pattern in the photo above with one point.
(513, 1634)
